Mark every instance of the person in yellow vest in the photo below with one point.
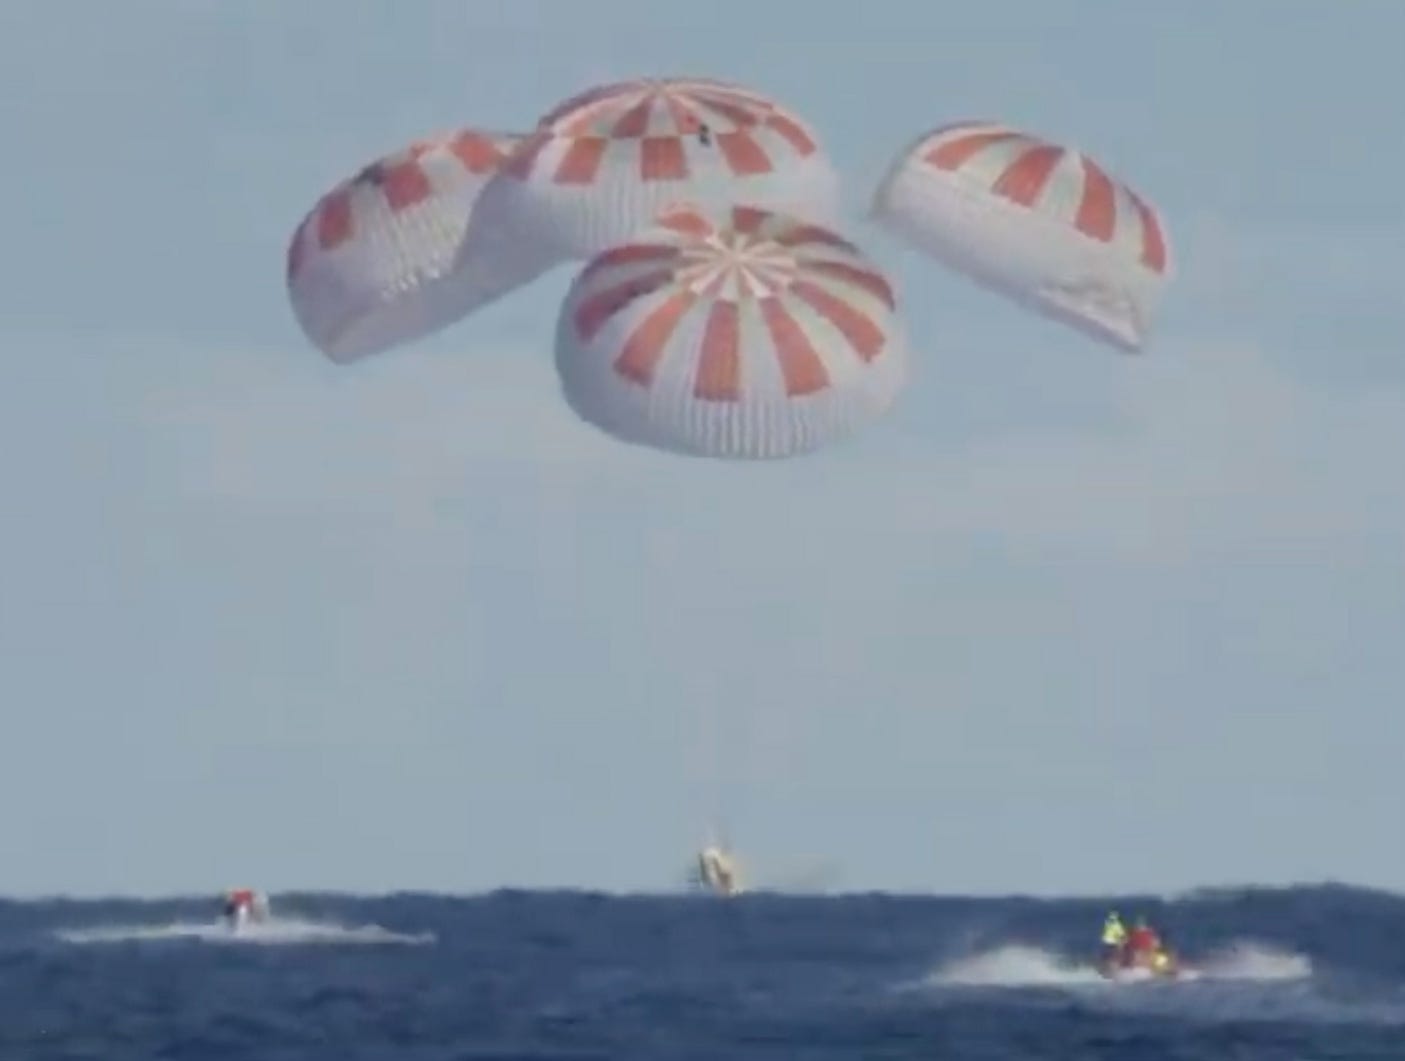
(1114, 937)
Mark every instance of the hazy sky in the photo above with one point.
(1066, 620)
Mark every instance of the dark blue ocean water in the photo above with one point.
(1306, 973)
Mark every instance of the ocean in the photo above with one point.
(1307, 974)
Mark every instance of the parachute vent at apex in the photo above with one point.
(1043, 224)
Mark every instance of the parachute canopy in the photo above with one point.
(600, 166)
(762, 337)
(1043, 224)
(369, 267)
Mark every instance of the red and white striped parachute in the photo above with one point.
(600, 166)
(1041, 223)
(762, 337)
(369, 267)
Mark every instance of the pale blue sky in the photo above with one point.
(1065, 621)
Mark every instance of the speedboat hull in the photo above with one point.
(244, 918)
(1138, 974)
(1142, 970)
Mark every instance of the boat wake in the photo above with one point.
(1244, 981)
(1024, 966)
(276, 931)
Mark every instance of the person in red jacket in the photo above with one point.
(1142, 942)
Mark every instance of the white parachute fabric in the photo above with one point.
(370, 266)
(603, 164)
(764, 337)
(1043, 224)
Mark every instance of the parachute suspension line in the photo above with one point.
(718, 826)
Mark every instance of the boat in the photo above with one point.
(1128, 966)
(244, 907)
